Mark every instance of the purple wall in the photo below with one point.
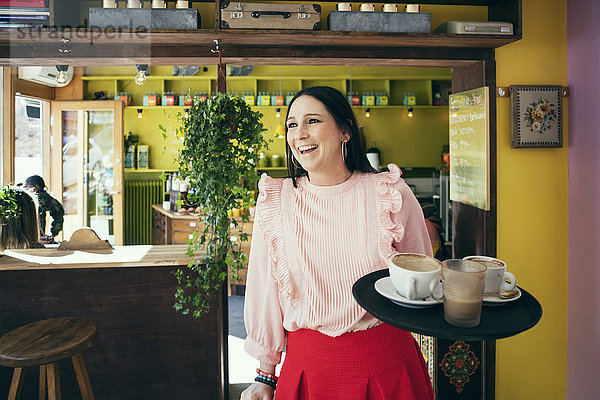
(583, 64)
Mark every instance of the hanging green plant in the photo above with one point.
(222, 138)
(9, 207)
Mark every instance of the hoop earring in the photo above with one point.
(344, 150)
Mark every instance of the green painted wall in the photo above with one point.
(409, 142)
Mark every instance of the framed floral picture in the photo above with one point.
(536, 116)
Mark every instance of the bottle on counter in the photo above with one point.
(370, 100)
(373, 156)
(412, 99)
(288, 98)
(405, 97)
(266, 99)
(278, 101)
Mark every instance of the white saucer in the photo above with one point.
(491, 300)
(385, 287)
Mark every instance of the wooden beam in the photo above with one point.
(248, 55)
(33, 89)
(83, 37)
(8, 125)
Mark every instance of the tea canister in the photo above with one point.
(367, 7)
(134, 3)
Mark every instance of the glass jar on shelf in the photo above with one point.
(185, 99)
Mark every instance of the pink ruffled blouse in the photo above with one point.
(311, 243)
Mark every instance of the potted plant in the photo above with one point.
(222, 138)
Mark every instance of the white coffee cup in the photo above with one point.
(412, 273)
(497, 278)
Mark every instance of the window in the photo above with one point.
(29, 138)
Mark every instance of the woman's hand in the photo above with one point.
(258, 391)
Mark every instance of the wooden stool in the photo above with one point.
(44, 343)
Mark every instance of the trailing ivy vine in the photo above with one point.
(9, 206)
(222, 138)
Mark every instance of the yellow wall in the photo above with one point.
(533, 212)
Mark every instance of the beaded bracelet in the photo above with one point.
(266, 381)
(266, 374)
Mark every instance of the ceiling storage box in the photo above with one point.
(476, 28)
(270, 16)
(144, 19)
(360, 21)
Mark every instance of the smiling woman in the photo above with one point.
(315, 234)
(322, 133)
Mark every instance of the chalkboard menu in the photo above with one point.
(469, 148)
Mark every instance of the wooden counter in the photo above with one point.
(119, 257)
(145, 349)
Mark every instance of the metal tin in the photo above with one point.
(367, 7)
(390, 8)
(134, 4)
(344, 7)
(413, 8)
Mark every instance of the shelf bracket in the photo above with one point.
(217, 48)
(65, 46)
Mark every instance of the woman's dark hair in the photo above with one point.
(337, 105)
(22, 231)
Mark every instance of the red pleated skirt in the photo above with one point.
(382, 363)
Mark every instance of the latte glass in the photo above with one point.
(462, 284)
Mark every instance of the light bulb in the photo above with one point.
(187, 113)
(278, 111)
(410, 112)
(367, 112)
(140, 78)
(140, 113)
(61, 79)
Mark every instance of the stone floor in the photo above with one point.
(242, 367)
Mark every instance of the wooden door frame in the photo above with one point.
(476, 235)
(57, 107)
(474, 231)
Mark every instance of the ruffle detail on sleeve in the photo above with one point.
(389, 203)
(269, 207)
